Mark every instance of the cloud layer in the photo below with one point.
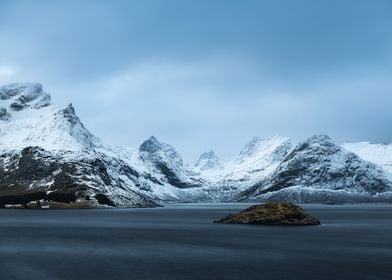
(208, 74)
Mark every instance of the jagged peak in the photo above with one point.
(208, 155)
(319, 138)
(69, 110)
(319, 142)
(251, 145)
(24, 95)
(155, 150)
(151, 145)
(208, 160)
(69, 114)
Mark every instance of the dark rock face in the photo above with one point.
(35, 167)
(17, 106)
(4, 115)
(103, 199)
(171, 176)
(151, 145)
(37, 174)
(26, 198)
(168, 162)
(37, 170)
(271, 214)
(35, 164)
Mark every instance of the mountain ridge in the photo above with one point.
(44, 148)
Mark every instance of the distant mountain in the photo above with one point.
(208, 162)
(258, 158)
(319, 170)
(47, 153)
(164, 160)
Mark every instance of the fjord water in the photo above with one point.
(181, 242)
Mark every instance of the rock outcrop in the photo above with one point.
(271, 214)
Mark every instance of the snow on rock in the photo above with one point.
(44, 148)
(255, 162)
(4, 115)
(319, 166)
(26, 95)
(209, 161)
(36, 122)
(161, 158)
(380, 154)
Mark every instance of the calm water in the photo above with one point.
(181, 242)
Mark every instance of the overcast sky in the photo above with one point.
(204, 75)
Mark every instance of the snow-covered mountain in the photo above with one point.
(163, 159)
(34, 121)
(46, 151)
(258, 158)
(319, 170)
(380, 154)
(209, 162)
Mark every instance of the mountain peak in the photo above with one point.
(28, 118)
(208, 155)
(319, 138)
(318, 168)
(320, 143)
(251, 146)
(69, 110)
(158, 150)
(151, 145)
(207, 161)
(19, 96)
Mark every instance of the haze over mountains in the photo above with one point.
(47, 150)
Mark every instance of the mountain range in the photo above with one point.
(47, 153)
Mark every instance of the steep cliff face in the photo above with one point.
(163, 160)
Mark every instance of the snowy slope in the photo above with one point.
(256, 161)
(175, 181)
(35, 121)
(45, 148)
(380, 154)
(319, 170)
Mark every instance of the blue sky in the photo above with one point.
(211, 74)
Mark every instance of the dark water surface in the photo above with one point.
(181, 242)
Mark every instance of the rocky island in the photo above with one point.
(271, 214)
